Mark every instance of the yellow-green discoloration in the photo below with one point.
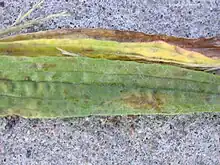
(152, 100)
(157, 51)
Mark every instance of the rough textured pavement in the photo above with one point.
(185, 139)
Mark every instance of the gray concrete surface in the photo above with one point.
(183, 139)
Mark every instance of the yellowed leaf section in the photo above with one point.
(163, 50)
(156, 51)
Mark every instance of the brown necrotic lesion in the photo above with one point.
(150, 100)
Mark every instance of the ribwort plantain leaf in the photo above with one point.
(103, 72)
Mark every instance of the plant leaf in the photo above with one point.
(155, 51)
(48, 74)
(43, 87)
